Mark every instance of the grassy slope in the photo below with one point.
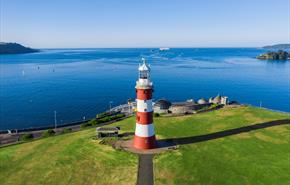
(258, 157)
(66, 159)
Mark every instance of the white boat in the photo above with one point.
(164, 49)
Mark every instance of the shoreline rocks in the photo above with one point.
(279, 55)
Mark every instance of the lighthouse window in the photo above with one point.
(143, 74)
(138, 118)
(144, 101)
(145, 109)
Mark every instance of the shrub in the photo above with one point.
(84, 125)
(213, 106)
(101, 115)
(66, 130)
(120, 116)
(98, 122)
(105, 119)
(48, 133)
(109, 114)
(26, 137)
(102, 119)
(117, 116)
(156, 114)
(92, 122)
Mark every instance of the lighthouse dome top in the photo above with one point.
(144, 66)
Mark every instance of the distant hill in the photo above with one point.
(278, 46)
(14, 48)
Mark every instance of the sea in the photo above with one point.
(79, 83)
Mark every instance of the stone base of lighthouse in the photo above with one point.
(144, 142)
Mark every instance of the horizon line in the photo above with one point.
(189, 47)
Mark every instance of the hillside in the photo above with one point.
(14, 48)
(256, 157)
(278, 47)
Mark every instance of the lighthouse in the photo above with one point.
(144, 133)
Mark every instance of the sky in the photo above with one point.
(144, 23)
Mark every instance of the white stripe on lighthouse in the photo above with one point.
(144, 130)
(144, 105)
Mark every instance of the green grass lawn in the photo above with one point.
(257, 157)
(73, 158)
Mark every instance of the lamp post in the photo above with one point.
(110, 106)
(55, 121)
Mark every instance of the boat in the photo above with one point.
(164, 49)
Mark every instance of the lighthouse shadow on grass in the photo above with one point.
(171, 142)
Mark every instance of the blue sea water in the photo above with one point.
(82, 82)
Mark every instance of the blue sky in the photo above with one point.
(145, 23)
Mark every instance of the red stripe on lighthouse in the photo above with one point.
(144, 94)
(144, 118)
(144, 142)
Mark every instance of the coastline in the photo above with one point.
(29, 129)
(78, 123)
(14, 138)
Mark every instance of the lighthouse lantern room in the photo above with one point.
(144, 133)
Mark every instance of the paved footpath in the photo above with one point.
(145, 170)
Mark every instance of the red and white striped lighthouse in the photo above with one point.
(144, 132)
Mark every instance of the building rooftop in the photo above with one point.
(162, 103)
(182, 104)
(107, 129)
(202, 101)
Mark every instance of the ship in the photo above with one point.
(164, 49)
